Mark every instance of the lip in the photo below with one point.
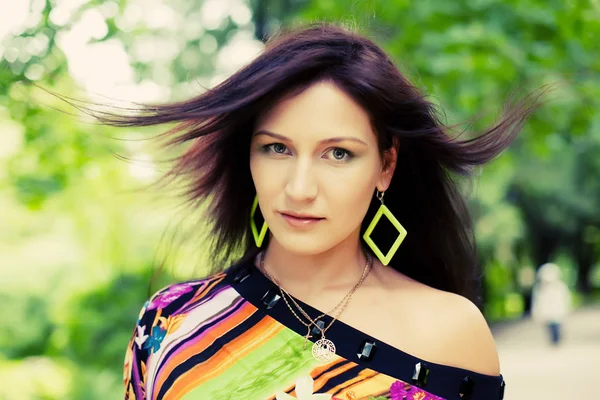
(299, 220)
(299, 216)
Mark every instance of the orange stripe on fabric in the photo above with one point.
(324, 367)
(223, 327)
(244, 344)
(366, 383)
(211, 284)
(322, 380)
(315, 372)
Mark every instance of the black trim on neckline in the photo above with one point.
(443, 380)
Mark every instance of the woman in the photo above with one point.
(328, 172)
(551, 301)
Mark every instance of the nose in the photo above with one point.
(302, 184)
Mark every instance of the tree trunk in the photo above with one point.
(584, 255)
(260, 20)
(544, 243)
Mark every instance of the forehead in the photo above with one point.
(322, 110)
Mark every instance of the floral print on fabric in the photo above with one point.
(141, 336)
(171, 294)
(154, 341)
(304, 391)
(405, 391)
(171, 323)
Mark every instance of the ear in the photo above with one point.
(389, 161)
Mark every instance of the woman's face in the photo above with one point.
(315, 155)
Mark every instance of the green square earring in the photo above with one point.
(258, 237)
(383, 210)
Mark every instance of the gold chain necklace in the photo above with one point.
(323, 349)
(344, 302)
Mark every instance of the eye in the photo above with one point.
(277, 148)
(340, 154)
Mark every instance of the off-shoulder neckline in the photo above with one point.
(443, 380)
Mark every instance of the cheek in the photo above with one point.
(265, 175)
(349, 195)
(254, 167)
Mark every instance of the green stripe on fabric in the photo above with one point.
(271, 368)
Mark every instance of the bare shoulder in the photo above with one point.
(465, 334)
(448, 329)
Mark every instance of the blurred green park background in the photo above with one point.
(81, 240)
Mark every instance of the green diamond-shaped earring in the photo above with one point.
(258, 237)
(383, 210)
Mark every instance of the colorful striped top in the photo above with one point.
(229, 337)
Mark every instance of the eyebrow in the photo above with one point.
(328, 140)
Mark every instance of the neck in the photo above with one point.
(310, 275)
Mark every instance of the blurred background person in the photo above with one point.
(551, 301)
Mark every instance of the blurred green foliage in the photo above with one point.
(81, 241)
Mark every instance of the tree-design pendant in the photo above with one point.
(323, 350)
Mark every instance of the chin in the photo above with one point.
(306, 246)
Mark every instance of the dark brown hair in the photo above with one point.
(216, 128)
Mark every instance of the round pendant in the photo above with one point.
(323, 350)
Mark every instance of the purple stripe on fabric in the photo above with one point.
(192, 334)
(191, 338)
(135, 380)
(188, 307)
